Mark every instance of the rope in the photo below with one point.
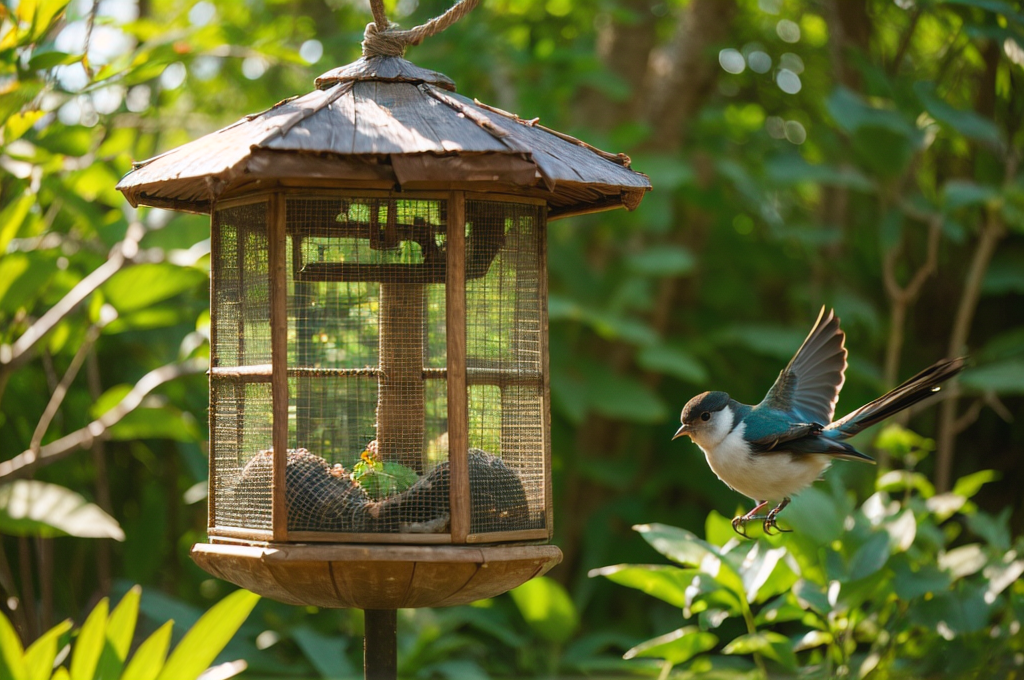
(382, 40)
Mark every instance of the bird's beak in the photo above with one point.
(681, 431)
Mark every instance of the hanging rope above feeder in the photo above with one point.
(383, 40)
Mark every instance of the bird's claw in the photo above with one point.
(769, 522)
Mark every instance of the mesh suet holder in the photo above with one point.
(379, 402)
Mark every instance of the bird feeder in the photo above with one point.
(379, 402)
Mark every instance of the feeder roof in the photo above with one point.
(385, 120)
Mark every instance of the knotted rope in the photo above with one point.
(382, 40)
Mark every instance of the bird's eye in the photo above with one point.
(705, 416)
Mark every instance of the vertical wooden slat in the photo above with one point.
(211, 502)
(458, 406)
(542, 237)
(279, 360)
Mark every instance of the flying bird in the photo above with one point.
(773, 450)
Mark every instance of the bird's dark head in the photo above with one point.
(701, 413)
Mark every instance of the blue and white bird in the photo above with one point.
(773, 450)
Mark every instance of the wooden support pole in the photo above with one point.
(380, 644)
(458, 399)
(400, 406)
(279, 361)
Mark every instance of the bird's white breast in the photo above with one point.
(770, 477)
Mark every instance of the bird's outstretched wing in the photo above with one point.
(808, 388)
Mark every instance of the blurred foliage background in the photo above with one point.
(864, 155)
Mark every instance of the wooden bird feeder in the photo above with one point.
(379, 403)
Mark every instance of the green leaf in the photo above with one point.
(816, 515)
(676, 647)
(968, 485)
(759, 566)
(120, 630)
(546, 607)
(963, 561)
(383, 479)
(143, 285)
(968, 123)
(89, 644)
(41, 654)
(208, 637)
(46, 13)
(1004, 377)
(165, 422)
(664, 582)
(672, 360)
(912, 580)
(679, 545)
(70, 140)
(769, 644)
(12, 661)
(13, 216)
(32, 508)
(811, 596)
(959, 193)
(870, 556)
(662, 260)
(900, 480)
(148, 659)
(718, 528)
(325, 652)
(46, 60)
(23, 276)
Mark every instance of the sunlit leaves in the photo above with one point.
(34, 508)
(546, 607)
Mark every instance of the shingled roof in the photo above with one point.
(385, 120)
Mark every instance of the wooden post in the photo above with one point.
(400, 408)
(458, 399)
(279, 362)
(380, 644)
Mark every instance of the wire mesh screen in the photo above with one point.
(241, 291)
(504, 334)
(366, 342)
(240, 403)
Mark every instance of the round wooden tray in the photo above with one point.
(375, 576)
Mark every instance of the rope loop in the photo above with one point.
(383, 39)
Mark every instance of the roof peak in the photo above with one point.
(386, 68)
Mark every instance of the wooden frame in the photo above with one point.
(457, 374)
(458, 397)
(276, 244)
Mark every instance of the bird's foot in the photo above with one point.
(739, 524)
(770, 520)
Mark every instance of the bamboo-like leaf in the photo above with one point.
(12, 663)
(40, 655)
(120, 629)
(208, 637)
(89, 645)
(149, 657)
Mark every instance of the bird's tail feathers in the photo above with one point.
(918, 388)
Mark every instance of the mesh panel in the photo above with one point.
(241, 293)
(504, 360)
(366, 315)
(240, 412)
(241, 428)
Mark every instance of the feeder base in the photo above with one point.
(375, 576)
